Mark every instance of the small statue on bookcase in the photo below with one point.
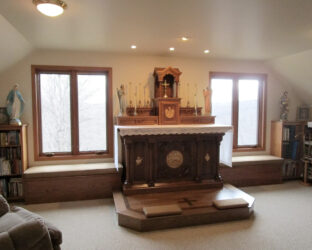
(121, 98)
(15, 105)
(284, 106)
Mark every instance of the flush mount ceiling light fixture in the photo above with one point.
(50, 7)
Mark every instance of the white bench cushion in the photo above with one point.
(71, 170)
(255, 160)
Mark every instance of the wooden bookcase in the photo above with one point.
(307, 155)
(287, 142)
(13, 160)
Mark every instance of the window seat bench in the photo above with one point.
(70, 182)
(253, 170)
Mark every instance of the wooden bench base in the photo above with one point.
(253, 170)
(41, 186)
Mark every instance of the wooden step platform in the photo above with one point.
(197, 208)
(171, 186)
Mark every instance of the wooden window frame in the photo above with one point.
(262, 107)
(73, 71)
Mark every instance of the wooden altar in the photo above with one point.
(171, 170)
(159, 158)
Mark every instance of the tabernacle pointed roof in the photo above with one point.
(162, 72)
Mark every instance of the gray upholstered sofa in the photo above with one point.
(23, 230)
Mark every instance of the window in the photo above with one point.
(72, 112)
(239, 100)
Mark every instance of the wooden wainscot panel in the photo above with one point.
(70, 188)
(190, 111)
(137, 120)
(197, 119)
(252, 175)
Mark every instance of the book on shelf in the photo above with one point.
(5, 167)
(13, 138)
(294, 151)
(286, 134)
(3, 187)
(8, 167)
(12, 188)
(15, 187)
(289, 168)
(289, 133)
(3, 139)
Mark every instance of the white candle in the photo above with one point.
(188, 93)
(144, 96)
(140, 93)
(135, 94)
(129, 103)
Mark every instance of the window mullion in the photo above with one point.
(235, 112)
(261, 109)
(39, 118)
(74, 113)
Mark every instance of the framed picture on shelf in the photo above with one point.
(303, 113)
(4, 118)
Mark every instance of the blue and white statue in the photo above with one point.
(15, 106)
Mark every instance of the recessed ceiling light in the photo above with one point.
(50, 7)
(171, 49)
(184, 38)
(206, 51)
(133, 46)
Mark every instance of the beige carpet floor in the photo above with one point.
(282, 220)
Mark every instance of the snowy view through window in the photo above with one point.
(92, 112)
(248, 109)
(248, 112)
(56, 112)
(221, 100)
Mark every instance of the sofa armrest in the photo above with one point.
(32, 234)
(6, 242)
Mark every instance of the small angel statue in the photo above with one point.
(15, 105)
(284, 106)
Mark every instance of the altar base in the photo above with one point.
(171, 186)
(196, 206)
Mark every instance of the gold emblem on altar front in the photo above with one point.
(169, 112)
(207, 157)
(174, 159)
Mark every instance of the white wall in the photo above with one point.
(136, 68)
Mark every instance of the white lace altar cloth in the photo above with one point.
(167, 130)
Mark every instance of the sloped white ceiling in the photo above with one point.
(297, 69)
(274, 30)
(240, 29)
(13, 46)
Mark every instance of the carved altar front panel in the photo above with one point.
(175, 160)
(152, 159)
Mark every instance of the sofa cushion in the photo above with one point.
(25, 214)
(4, 206)
(10, 220)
